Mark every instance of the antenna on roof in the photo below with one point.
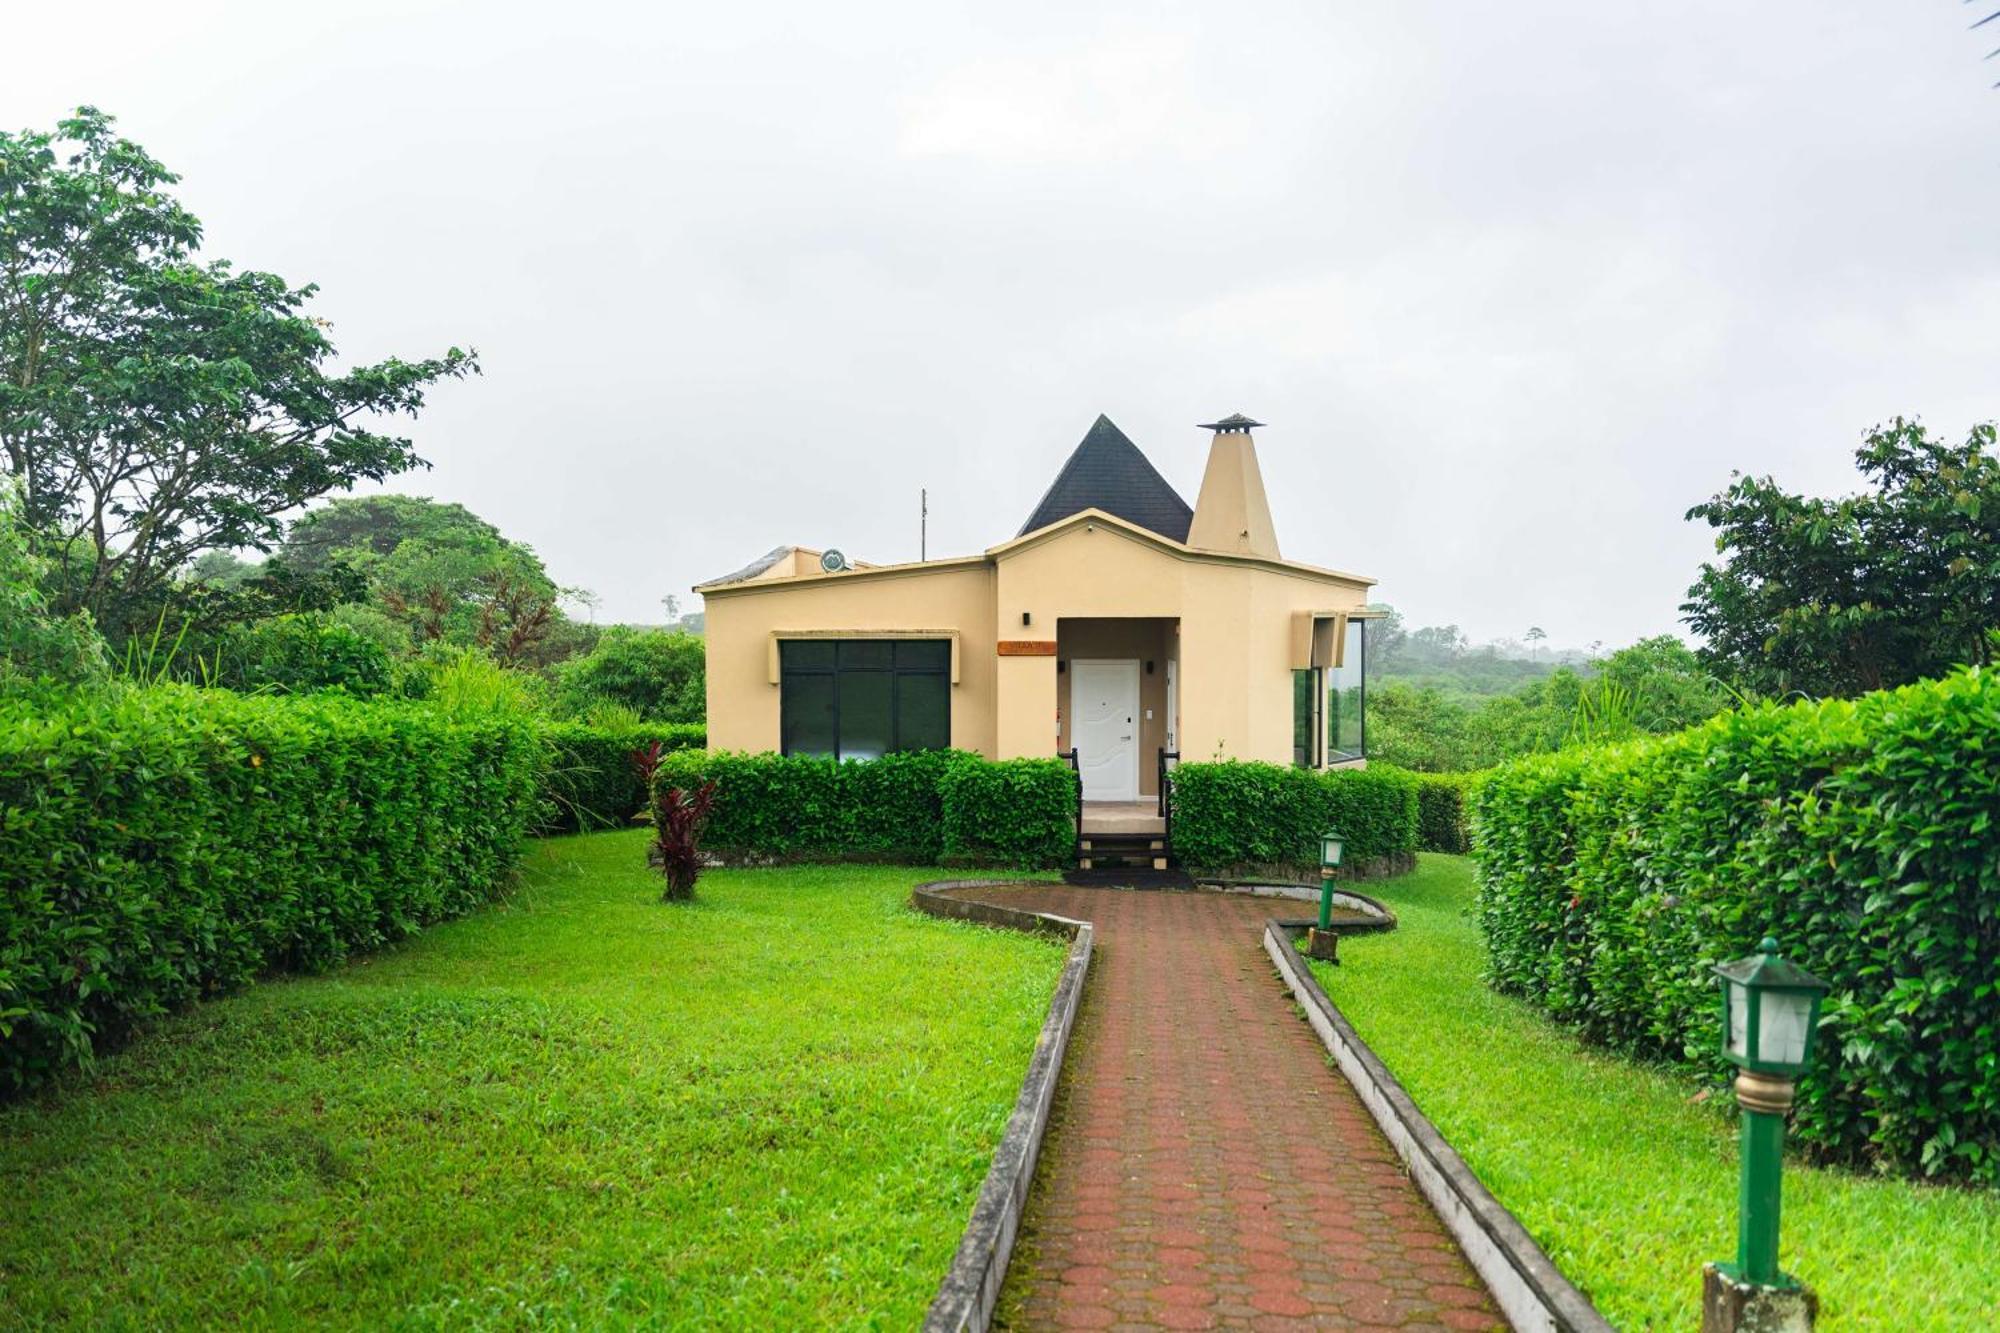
(923, 523)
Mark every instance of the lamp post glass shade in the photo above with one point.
(1770, 1012)
(1329, 851)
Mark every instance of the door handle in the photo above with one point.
(1124, 738)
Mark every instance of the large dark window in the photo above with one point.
(862, 698)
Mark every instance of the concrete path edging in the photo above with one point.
(965, 1299)
(1531, 1290)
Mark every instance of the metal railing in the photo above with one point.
(1166, 787)
(1069, 757)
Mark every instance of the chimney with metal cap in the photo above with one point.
(1232, 513)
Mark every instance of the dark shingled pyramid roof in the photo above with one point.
(1108, 472)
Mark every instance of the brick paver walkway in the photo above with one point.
(1205, 1167)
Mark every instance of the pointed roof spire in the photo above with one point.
(1108, 472)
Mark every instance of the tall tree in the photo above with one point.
(154, 406)
(1841, 596)
(443, 573)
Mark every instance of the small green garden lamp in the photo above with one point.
(1770, 1015)
(1322, 943)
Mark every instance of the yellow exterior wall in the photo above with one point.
(1236, 618)
(740, 622)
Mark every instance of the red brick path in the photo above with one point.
(1205, 1167)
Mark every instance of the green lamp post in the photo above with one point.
(1770, 1015)
(1322, 943)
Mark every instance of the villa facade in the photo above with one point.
(1120, 623)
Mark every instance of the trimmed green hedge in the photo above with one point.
(591, 783)
(161, 844)
(1267, 818)
(923, 808)
(1863, 834)
(1441, 812)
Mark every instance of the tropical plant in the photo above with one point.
(659, 674)
(678, 819)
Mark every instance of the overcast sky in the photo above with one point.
(1514, 285)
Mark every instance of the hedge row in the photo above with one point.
(924, 807)
(591, 782)
(1258, 818)
(1441, 812)
(157, 845)
(1864, 835)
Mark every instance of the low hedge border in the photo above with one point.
(591, 782)
(1531, 1290)
(965, 1299)
(1864, 834)
(1251, 820)
(162, 844)
(1442, 825)
(927, 807)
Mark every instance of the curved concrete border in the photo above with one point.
(965, 1299)
(1309, 893)
(1531, 1290)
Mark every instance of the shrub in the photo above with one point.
(1238, 816)
(660, 673)
(1017, 812)
(297, 654)
(920, 807)
(1441, 825)
(1860, 833)
(161, 844)
(590, 782)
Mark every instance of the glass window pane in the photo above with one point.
(865, 653)
(1302, 721)
(805, 714)
(794, 654)
(865, 714)
(923, 655)
(1347, 697)
(923, 711)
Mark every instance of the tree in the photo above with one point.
(443, 574)
(154, 406)
(1842, 596)
(34, 644)
(660, 674)
(1535, 636)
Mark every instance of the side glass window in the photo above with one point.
(1347, 697)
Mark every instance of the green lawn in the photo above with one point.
(772, 1108)
(1627, 1183)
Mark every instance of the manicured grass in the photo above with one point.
(770, 1109)
(1626, 1182)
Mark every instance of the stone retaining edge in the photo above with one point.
(1531, 1290)
(965, 1299)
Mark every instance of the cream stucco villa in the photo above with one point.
(1118, 623)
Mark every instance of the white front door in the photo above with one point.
(1104, 726)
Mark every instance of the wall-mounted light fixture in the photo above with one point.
(1061, 666)
(1149, 666)
(1027, 618)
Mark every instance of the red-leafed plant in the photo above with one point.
(646, 762)
(678, 817)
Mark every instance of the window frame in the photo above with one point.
(894, 670)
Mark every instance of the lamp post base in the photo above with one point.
(1323, 945)
(1731, 1305)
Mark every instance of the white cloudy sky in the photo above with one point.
(1512, 284)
